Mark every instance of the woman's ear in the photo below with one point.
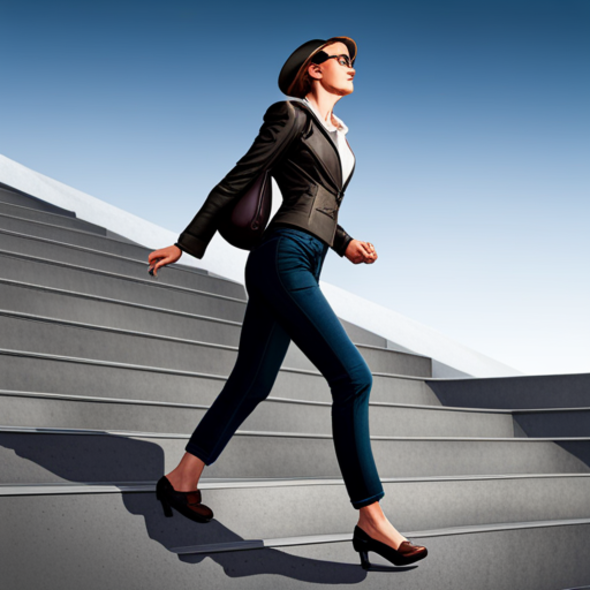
(314, 71)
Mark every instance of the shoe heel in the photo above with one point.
(167, 509)
(366, 564)
(360, 545)
(165, 506)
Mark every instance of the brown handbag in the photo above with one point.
(244, 223)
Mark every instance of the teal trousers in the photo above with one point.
(285, 303)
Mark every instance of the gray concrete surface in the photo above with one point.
(25, 371)
(463, 468)
(526, 392)
(35, 334)
(56, 455)
(136, 267)
(276, 414)
(20, 212)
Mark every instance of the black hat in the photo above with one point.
(298, 61)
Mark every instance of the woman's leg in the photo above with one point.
(263, 345)
(185, 476)
(293, 293)
(285, 300)
(287, 279)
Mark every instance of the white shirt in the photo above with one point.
(338, 135)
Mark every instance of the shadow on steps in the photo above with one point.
(86, 458)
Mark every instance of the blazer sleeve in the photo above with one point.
(341, 241)
(281, 124)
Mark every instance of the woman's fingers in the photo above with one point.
(153, 260)
(156, 267)
(369, 252)
(373, 253)
(362, 249)
(162, 261)
(358, 252)
(162, 257)
(156, 255)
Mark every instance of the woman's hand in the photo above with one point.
(162, 257)
(358, 252)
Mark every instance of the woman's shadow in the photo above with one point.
(113, 460)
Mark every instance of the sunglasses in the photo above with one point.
(343, 59)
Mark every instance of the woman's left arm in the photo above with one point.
(355, 250)
(341, 241)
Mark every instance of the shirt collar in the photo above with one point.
(340, 127)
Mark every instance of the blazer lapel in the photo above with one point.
(326, 154)
(353, 167)
(323, 147)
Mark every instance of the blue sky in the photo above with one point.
(469, 121)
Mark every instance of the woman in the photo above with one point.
(304, 145)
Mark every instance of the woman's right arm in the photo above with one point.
(281, 124)
(282, 121)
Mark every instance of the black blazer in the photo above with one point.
(304, 161)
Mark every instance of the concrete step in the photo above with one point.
(362, 336)
(104, 311)
(44, 272)
(34, 334)
(284, 415)
(255, 509)
(182, 276)
(37, 334)
(21, 243)
(75, 237)
(59, 455)
(101, 311)
(115, 425)
(451, 563)
(380, 360)
(143, 550)
(26, 371)
(519, 393)
(12, 196)
(11, 211)
(558, 422)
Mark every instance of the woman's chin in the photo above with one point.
(349, 88)
(343, 90)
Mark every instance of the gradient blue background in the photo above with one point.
(470, 123)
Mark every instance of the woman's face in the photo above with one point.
(332, 75)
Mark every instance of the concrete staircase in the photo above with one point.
(105, 372)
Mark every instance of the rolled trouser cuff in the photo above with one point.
(368, 501)
(198, 453)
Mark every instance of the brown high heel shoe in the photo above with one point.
(405, 554)
(187, 503)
